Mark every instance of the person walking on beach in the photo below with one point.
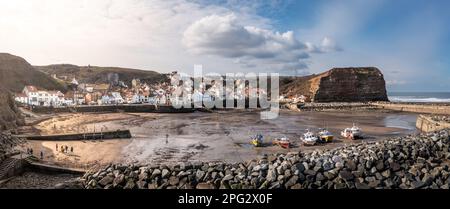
(67, 149)
(56, 147)
(62, 148)
(167, 138)
(31, 151)
(42, 155)
(71, 149)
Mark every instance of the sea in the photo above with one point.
(438, 97)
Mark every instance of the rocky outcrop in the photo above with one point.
(404, 162)
(10, 116)
(7, 143)
(340, 85)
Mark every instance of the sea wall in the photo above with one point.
(411, 162)
(427, 124)
(439, 109)
(112, 108)
(119, 134)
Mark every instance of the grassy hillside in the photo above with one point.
(16, 72)
(93, 74)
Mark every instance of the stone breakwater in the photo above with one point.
(432, 123)
(415, 161)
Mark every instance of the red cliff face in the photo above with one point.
(351, 85)
(341, 85)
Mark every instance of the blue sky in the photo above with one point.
(409, 40)
(413, 35)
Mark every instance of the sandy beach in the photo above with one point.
(218, 136)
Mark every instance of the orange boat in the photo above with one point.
(282, 142)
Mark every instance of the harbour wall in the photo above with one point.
(439, 109)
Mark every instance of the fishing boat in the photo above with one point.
(352, 133)
(309, 138)
(257, 140)
(325, 136)
(283, 142)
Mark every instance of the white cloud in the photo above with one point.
(148, 34)
(327, 45)
(395, 82)
(225, 36)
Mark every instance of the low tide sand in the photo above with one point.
(219, 136)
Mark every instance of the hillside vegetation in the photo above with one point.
(98, 75)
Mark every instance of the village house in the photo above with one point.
(30, 95)
(112, 98)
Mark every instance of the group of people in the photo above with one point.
(64, 148)
(30, 152)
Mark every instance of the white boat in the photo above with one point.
(352, 133)
(309, 138)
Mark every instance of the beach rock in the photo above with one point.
(327, 166)
(164, 173)
(199, 175)
(228, 177)
(130, 184)
(394, 166)
(173, 180)
(361, 186)
(346, 175)
(205, 186)
(106, 180)
(291, 181)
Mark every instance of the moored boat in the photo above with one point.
(352, 133)
(309, 138)
(325, 136)
(283, 142)
(257, 140)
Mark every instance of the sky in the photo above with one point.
(408, 40)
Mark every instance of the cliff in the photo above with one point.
(339, 85)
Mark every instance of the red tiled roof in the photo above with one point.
(31, 88)
(21, 95)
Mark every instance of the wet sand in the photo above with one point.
(219, 136)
